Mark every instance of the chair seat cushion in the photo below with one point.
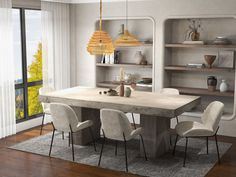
(192, 129)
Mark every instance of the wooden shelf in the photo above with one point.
(143, 45)
(191, 69)
(124, 65)
(179, 45)
(199, 91)
(111, 84)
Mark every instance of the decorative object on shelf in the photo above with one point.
(223, 86)
(122, 89)
(211, 83)
(147, 80)
(122, 75)
(222, 41)
(148, 41)
(196, 65)
(100, 43)
(117, 55)
(226, 59)
(112, 92)
(194, 42)
(193, 33)
(127, 39)
(140, 58)
(210, 60)
(127, 92)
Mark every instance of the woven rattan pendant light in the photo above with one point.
(100, 43)
(127, 39)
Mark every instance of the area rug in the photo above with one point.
(197, 165)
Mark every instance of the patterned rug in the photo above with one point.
(198, 163)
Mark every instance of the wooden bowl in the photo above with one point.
(210, 59)
(147, 80)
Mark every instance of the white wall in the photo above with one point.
(85, 15)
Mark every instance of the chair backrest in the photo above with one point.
(43, 90)
(114, 124)
(63, 116)
(169, 91)
(212, 115)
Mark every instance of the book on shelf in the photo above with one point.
(194, 42)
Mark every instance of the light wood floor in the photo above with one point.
(21, 164)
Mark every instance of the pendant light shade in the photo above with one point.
(100, 43)
(127, 39)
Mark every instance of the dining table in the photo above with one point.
(155, 110)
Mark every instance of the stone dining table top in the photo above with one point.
(148, 103)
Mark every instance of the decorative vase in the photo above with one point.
(211, 83)
(122, 89)
(195, 36)
(127, 92)
(210, 60)
(223, 86)
(138, 57)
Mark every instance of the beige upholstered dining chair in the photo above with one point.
(170, 91)
(46, 106)
(65, 120)
(207, 128)
(116, 126)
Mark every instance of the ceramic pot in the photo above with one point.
(211, 83)
(127, 92)
(138, 57)
(195, 36)
(209, 60)
(223, 86)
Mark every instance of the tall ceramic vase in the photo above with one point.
(211, 83)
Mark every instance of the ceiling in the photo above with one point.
(88, 1)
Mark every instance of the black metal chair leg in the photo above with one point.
(133, 120)
(116, 148)
(145, 155)
(217, 148)
(185, 152)
(72, 144)
(62, 134)
(42, 124)
(126, 158)
(69, 140)
(91, 132)
(177, 119)
(100, 157)
(51, 142)
(176, 139)
(207, 143)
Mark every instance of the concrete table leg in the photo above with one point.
(155, 134)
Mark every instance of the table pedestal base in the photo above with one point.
(155, 134)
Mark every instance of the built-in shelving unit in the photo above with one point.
(124, 65)
(108, 72)
(193, 80)
(200, 91)
(179, 45)
(192, 69)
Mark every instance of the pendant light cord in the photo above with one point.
(100, 15)
(127, 14)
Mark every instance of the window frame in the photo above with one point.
(25, 84)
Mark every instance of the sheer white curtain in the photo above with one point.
(7, 86)
(56, 44)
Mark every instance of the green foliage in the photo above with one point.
(35, 74)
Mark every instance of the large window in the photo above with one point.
(28, 62)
